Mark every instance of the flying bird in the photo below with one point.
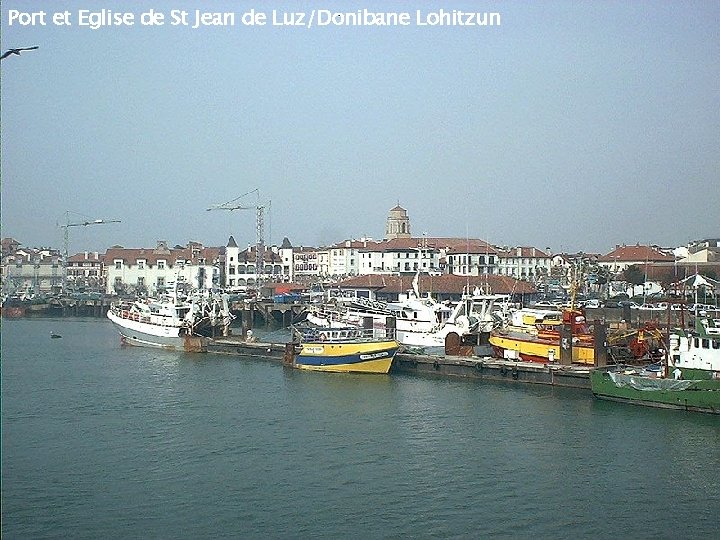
(17, 51)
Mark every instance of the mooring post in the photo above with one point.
(600, 337)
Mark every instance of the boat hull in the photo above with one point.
(690, 395)
(148, 335)
(516, 345)
(360, 357)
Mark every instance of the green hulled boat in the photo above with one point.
(688, 379)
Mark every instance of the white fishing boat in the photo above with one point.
(420, 321)
(170, 320)
(474, 314)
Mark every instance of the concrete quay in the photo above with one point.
(472, 367)
(492, 369)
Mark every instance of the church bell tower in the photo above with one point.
(398, 224)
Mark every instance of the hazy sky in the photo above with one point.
(572, 125)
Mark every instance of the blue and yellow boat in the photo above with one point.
(344, 350)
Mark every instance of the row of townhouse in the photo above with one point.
(457, 256)
(152, 269)
(121, 270)
(30, 271)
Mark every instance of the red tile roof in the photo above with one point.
(525, 252)
(151, 255)
(636, 253)
(87, 257)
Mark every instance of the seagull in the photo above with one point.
(17, 51)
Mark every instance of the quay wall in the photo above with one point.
(472, 367)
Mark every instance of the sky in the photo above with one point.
(570, 125)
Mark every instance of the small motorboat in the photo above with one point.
(53, 335)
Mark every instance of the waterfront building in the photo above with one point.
(32, 271)
(85, 272)
(343, 258)
(399, 256)
(470, 257)
(242, 270)
(624, 256)
(524, 263)
(309, 263)
(150, 271)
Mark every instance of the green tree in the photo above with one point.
(634, 275)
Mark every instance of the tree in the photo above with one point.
(634, 275)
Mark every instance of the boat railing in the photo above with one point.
(130, 315)
(341, 335)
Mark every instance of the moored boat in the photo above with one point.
(689, 378)
(343, 350)
(419, 321)
(171, 321)
(534, 336)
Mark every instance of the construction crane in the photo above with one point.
(66, 235)
(259, 208)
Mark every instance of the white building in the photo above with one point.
(242, 269)
(527, 263)
(469, 257)
(85, 272)
(343, 258)
(152, 270)
(33, 271)
(398, 255)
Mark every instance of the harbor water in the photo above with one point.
(104, 441)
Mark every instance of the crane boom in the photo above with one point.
(259, 208)
(66, 239)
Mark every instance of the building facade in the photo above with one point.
(242, 269)
(85, 272)
(150, 271)
(527, 263)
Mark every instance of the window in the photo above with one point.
(118, 265)
(160, 282)
(161, 265)
(141, 282)
(141, 264)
